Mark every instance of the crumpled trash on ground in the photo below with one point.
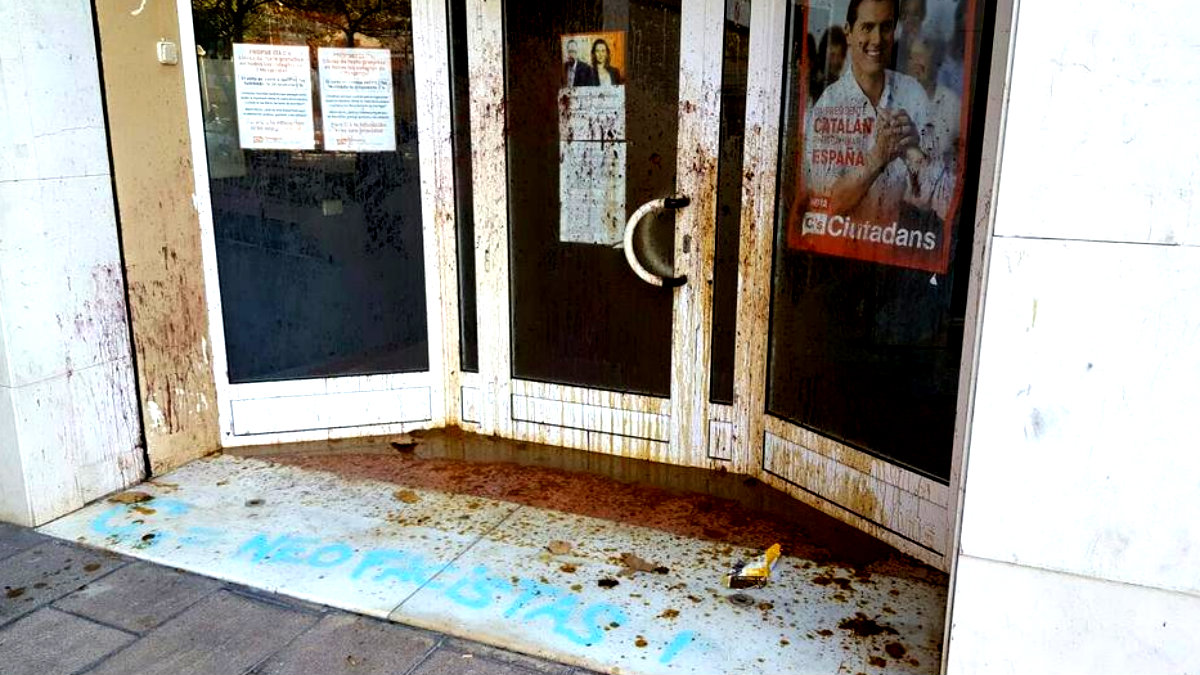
(756, 573)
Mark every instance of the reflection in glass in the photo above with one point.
(872, 255)
(464, 218)
(729, 197)
(319, 251)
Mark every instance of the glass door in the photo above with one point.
(584, 112)
(860, 318)
(321, 149)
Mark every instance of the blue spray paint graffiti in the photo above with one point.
(523, 600)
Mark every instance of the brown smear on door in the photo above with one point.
(735, 510)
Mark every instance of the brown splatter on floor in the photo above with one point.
(407, 496)
(607, 583)
(567, 568)
(864, 626)
(878, 662)
(825, 632)
(688, 502)
(130, 498)
(91, 567)
(640, 642)
(669, 614)
(895, 650)
(14, 592)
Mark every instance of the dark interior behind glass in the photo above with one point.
(319, 252)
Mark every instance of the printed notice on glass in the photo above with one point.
(274, 97)
(357, 113)
(591, 133)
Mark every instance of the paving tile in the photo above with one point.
(138, 597)
(222, 635)
(346, 643)
(49, 642)
(46, 572)
(478, 649)
(455, 662)
(14, 539)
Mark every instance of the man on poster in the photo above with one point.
(869, 158)
(576, 73)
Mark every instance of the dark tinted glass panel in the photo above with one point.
(729, 197)
(310, 128)
(592, 113)
(874, 225)
(460, 96)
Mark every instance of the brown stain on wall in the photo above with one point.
(160, 229)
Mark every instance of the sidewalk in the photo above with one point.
(71, 609)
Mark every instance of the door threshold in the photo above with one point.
(534, 557)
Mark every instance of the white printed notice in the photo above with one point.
(357, 113)
(274, 97)
(591, 139)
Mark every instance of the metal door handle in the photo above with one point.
(653, 206)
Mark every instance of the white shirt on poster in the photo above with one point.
(841, 129)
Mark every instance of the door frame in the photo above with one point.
(914, 513)
(350, 406)
(675, 430)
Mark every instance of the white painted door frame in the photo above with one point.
(674, 430)
(340, 407)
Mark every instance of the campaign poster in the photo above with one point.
(274, 97)
(357, 109)
(591, 132)
(883, 131)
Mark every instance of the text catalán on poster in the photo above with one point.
(274, 97)
(357, 111)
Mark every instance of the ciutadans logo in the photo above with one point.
(814, 223)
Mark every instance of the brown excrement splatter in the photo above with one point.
(567, 568)
(407, 496)
(403, 447)
(825, 632)
(640, 642)
(633, 563)
(669, 614)
(130, 498)
(146, 511)
(877, 661)
(783, 642)
(741, 513)
(863, 626)
(607, 583)
(14, 592)
(577, 587)
(766, 606)
(91, 567)
(895, 650)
